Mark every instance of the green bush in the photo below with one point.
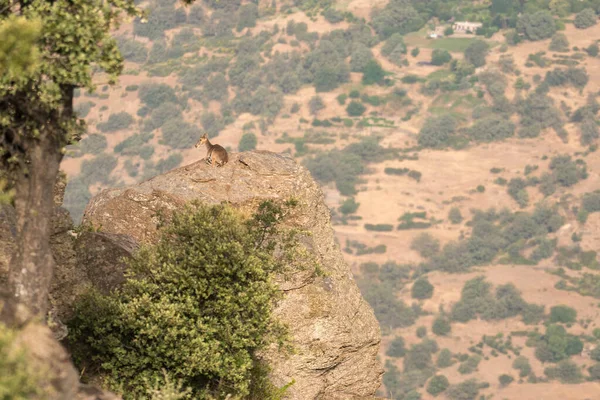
(160, 115)
(396, 348)
(536, 26)
(426, 245)
(372, 73)
(247, 142)
(341, 99)
(116, 122)
(154, 95)
(396, 17)
(349, 206)
(315, 104)
(521, 363)
(565, 371)
(132, 145)
(360, 58)
(440, 57)
(585, 18)
(132, 50)
(444, 359)
(437, 385)
(559, 43)
(470, 364)
(18, 379)
(477, 52)
(563, 314)
(505, 379)
(82, 109)
(93, 144)
(415, 52)
(98, 169)
(567, 172)
(200, 307)
(247, 15)
(421, 332)
(355, 109)
(455, 216)
(179, 134)
(379, 227)
(418, 357)
(389, 311)
(354, 94)
(422, 289)
(333, 16)
(437, 132)
(467, 390)
(441, 326)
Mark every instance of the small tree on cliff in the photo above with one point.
(198, 305)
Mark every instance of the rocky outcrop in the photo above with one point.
(335, 334)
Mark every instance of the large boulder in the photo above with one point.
(335, 334)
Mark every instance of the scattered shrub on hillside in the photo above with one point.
(349, 206)
(426, 245)
(444, 359)
(521, 363)
(437, 385)
(92, 144)
(437, 132)
(567, 172)
(396, 17)
(490, 129)
(563, 314)
(372, 73)
(98, 169)
(154, 95)
(577, 77)
(455, 216)
(315, 104)
(421, 332)
(179, 134)
(247, 142)
(160, 115)
(116, 122)
(333, 16)
(477, 52)
(517, 189)
(470, 364)
(396, 348)
(505, 379)
(585, 18)
(441, 326)
(247, 15)
(565, 371)
(536, 26)
(422, 289)
(467, 390)
(355, 109)
(556, 344)
(440, 57)
(132, 50)
(361, 56)
(195, 286)
(559, 43)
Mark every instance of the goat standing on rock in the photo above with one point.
(215, 150)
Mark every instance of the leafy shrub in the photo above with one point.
(396, 17)
(437, 132)
(585, 18)
(155, 94)
(93, 144)
(247, 15)
(418, 357)
(354, 94)
(421, 332)
(556, 344)
(566, 371)
(247, 142)
(315, 104)
(444, 359)
(559, 43)
(355, 109)
(563, 314)
(437, 385)
(490, 129)
(132, 144)
(422, 289)
(521, 363)
(396, 348)
(426, 245)
(82, 109)
(341, 99)
(536, 26)
(372, 73)
(594, 372)
(517, 190)
(470, 364)
(360, 58)
(333, 16)
(128, 339)
(441, 326)
(440, 57)
(577, 77)
(467, 390)
(349, 206)
(505, 379)
(160, 115)
(132, 50)
(455, 215)
(567, 172)
(116, 122)
(379, 227)
(98, 169)
(477, 52)
(179, 134)
(389, 311)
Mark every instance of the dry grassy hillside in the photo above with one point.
(411, 173)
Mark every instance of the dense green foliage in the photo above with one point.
(556, 344)
(437, 132)
(476, 53)
(585, 18)
(422, 289)
(559, 43)
(437, 385)
(441, 326)
(537, 26)
(563, 314)
(184, 302)
(247, 142)
(116, 122)
(396, 348)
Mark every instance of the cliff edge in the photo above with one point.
(335, 334)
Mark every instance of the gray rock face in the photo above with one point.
(335, 334)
